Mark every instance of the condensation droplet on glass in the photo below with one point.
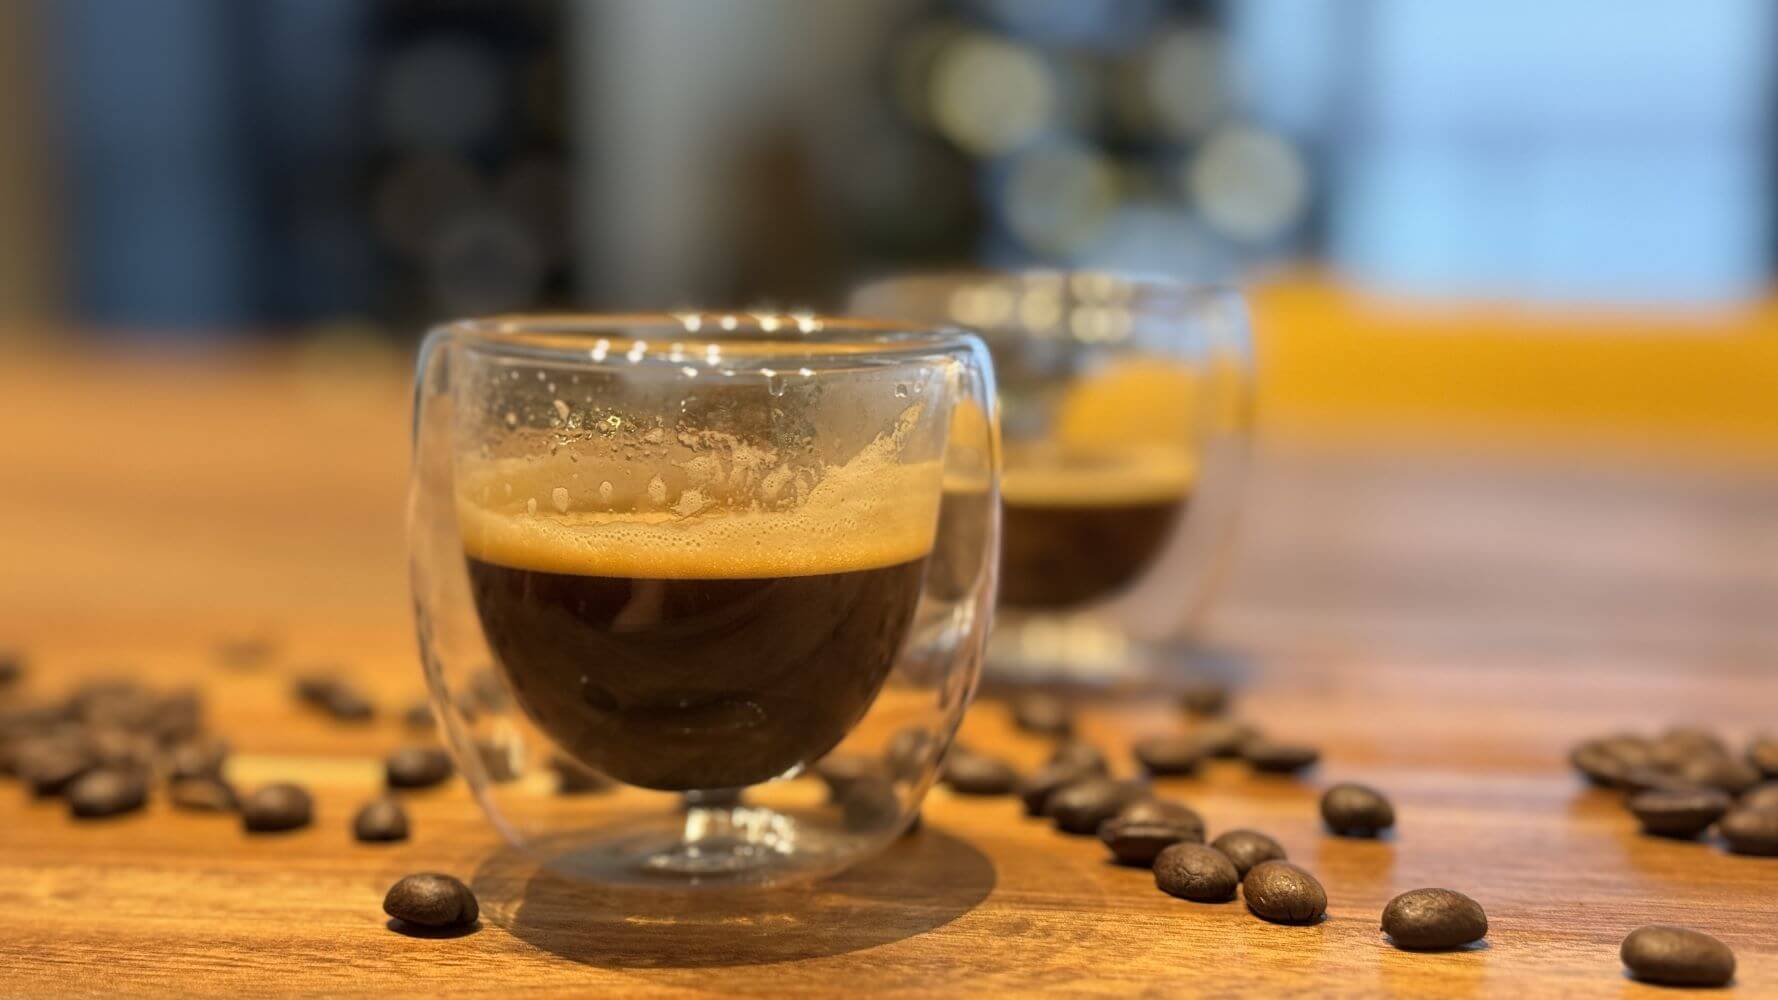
(775, 383)
(541, 376)
(531, 506)
(605, 492)
(657, 491)
(561, 409)
(512, 419)
(901, 390)
(559, 498)
(514, 375)
(549, 387)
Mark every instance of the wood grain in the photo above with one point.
(151, 508)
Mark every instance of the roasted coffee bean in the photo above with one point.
(1678, 813)
(1143, 828)
(1204, 697)
(1673, 749)
(432, 900)
(1675, 956)
(502, 762)
(204, 795)
(1086, 756)
(840, 771)
(12, 668)
(1731, 775)
(969, 773)
(1195, 872)
(1283, 893)
(908, 751)
(333, 695)
(118, 703)
(418, 715)
(348, 705)
(201, 758)
(1279, 758)
(869, 803)
(114, 746)
(1750, 831)
(1224, 737)
(1631, 749)
(1043, 713)
(380, 820)
(108, 792)
(1079, 808)
(1353, 810)
(417, 767)
(1036, 788)
(275, 808)
(575, 778)
(1169, 755)
(50, 764)
(1760, 797)
(1653, 779)
(488, 690)
(1247, 848)
(1596, 760)
(179, 716)
(245, 652)
(1762, 753)
(1432, 919)
(315, 687)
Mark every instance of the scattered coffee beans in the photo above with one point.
(1143, 828)
(1681, 813)
(1279, 758)
(1731, 775)
(1353, 810)
(1762, 753)
(1043, 713)
(1432, 919)
(51, 764)
(245, 652)
(840, 771)
(1760, 797)
(275, 808)
(1283, 893)
(1600, 763)
(1224, 737)
(380, 820)
(1246, 848)
(1204, 697)
(113, 746)
(1169, 755)
(418, 715)
(1036, 788)
(575, 778)
(1750, 831)
(333, 695)
(417, 767)
(432, 900)
(200, 758)
(970, 773)
(108, 792)
(1195, 872)
(1675, 956)
(1082, 755)
(1079, 808)
(12, 668)
(908, 751)
(203, 795)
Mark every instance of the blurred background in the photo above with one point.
(1511, 264)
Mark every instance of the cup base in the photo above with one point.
(707, 846)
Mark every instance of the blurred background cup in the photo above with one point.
(1126, 415)
(689, 562)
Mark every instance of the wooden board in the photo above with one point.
(149, 509)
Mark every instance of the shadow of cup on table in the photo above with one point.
(920, 883)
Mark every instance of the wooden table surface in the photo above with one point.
(1444, 640)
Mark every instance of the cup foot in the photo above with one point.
(709, 846)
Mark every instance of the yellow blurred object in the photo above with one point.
(1334, 361)
(1136, 401)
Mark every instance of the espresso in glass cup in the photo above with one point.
(1125, 408)
(688, 559)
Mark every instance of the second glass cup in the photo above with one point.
(1125, 411)
(698, 561)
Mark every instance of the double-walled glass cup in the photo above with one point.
(701, 598)
(1125, 412)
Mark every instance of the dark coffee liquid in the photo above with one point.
(680, 684)
(1064, 555)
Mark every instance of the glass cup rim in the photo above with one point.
(1091, 282)
(716, 340)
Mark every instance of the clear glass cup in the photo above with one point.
(1126, 417)
(701, 598)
